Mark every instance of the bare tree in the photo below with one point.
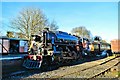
(29, 21)
(81, 31)
(53, 26)
(104, 41)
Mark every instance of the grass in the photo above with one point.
(118, 73)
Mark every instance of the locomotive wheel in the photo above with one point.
(74, 55)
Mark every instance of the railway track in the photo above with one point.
(63, 72)
(103, 72)
(93, 71)
(66, 72)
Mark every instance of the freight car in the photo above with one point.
(54, 48)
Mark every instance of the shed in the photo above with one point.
(13, 45)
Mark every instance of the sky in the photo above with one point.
(60, 0)
(101, 18)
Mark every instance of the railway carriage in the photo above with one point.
(99, 47)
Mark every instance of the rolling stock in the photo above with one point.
(56, 47)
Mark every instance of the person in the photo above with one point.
(91, 48)
(85, 47)
(84, 44)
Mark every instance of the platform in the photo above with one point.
(12, 56)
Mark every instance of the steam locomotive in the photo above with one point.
(55, 47)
